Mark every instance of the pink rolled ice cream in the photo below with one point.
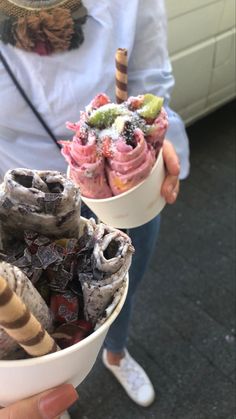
(115, 146)
(87, 167)
(128, 166)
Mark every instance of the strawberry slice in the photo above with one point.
(106, 146)
(85, 325)
(68, 334)
(65, 307)
(135, 102)
(100, 100)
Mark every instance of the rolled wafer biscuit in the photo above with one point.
(21, 325)
(24, 288)
(121, 75)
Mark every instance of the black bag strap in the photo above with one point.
(28, 101)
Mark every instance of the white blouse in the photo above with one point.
(62, 84)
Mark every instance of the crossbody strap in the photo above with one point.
(28, 101)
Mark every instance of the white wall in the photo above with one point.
(202, 49)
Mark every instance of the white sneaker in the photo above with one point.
(65, 415)
(133, 379)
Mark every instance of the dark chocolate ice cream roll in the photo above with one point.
(43, 201)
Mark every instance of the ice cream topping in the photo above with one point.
(115, 145)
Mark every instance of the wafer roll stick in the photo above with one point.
(28, 294)
(121, 75)
(19, 323)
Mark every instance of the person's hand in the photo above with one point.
(48, 405)
(170, 186)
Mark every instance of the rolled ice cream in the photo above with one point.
(110, 261)
(128, 166)
(87, 167)
(71, 278)
(115, 146)
(42, 201)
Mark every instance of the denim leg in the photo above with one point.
(86, 212)
(144, 240)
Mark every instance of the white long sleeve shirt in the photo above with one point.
(62, 84)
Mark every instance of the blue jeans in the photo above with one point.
(144, 240)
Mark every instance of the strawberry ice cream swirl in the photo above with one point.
(91, 178)
(127, 172)
(157, 132)
(120, 183)
(125, 152)
(80, 152)
(84, 153)
(126, 159)
(87, 167)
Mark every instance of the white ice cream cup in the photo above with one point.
(136, 206)
(22, 378)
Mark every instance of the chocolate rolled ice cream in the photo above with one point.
(42, 201)
(115, 145)
(68, 271)
(110, 260)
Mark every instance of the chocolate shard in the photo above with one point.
(48, 255)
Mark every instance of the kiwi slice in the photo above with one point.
(104, 116)
(151, 106)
